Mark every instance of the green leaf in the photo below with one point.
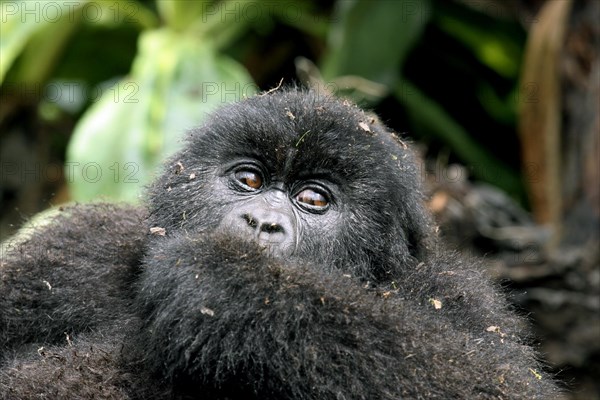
(431, 119)
(22, 22)
(179, 15)
(176, 80)
(372, 38)
(34, 35)
(493, 46)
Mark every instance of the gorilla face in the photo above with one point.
(305, 175)
(274, 210)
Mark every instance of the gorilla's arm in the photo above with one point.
(71, 275)
(223, 313)
(87, 368)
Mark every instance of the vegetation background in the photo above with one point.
(501, 98)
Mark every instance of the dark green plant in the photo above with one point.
(161, 66)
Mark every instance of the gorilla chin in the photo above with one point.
(284, 253)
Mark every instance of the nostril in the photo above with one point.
(251, 221)
(263, 224)
(271, 228)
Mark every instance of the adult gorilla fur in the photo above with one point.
(339, 292)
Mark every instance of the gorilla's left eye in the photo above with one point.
(312, 198)
(251, 179)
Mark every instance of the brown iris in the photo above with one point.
(249, 178)
(312, 198)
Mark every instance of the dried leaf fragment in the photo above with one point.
(535, 373)
(436, 303)
(179, 167)
(157, 230)
(496, 329)
(207, 311)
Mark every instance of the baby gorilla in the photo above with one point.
(285, 253)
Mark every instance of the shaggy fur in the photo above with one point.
(367, 306)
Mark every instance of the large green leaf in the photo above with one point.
(23, 20)
(371, 39)
(179, 15)
(494, 41)
(176, 80)
(430, 118)
(34, 35)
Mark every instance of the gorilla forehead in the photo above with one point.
(298, 132)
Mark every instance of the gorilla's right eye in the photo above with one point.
(251, 179)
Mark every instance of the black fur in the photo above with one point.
(367, 305)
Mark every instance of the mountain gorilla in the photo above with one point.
(285, 253)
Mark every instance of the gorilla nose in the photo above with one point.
(271, 229)
(267, 226)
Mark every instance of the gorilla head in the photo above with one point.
(308, 176)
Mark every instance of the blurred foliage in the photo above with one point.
(137, 74)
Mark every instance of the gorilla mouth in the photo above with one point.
(278, 248)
